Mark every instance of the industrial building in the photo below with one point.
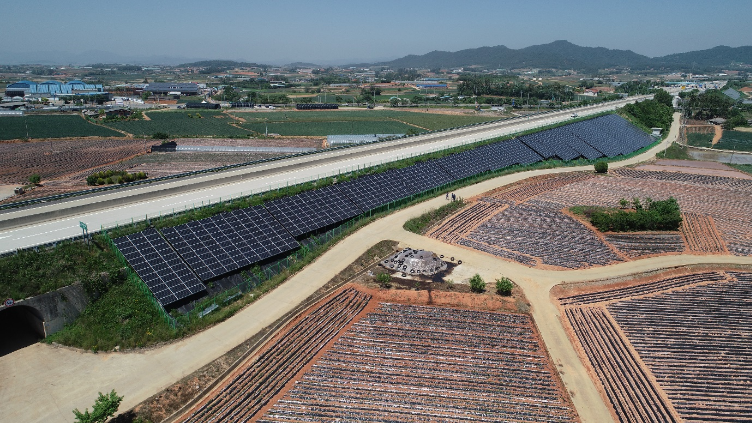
(173, 88)
(54, 89)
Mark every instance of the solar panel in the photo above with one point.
(229, 241)
(368, 192)
(423, 176)
(514, 152)
(539, 144)
(590, 133)
(312, 210)
(159, 266)
(564, 135)
(465, 164)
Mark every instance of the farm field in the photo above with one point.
(322, 123)
(673, 347)
(51, 126)
(56, 158)
(183, 123)
(529, 223)
(394, 362)
(731, 140)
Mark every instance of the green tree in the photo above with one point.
(478, 285)
(601, 167)
(663, 97)
(104, 407)
(384, 280)
(504, 286)
(145, 95)
(35, 178)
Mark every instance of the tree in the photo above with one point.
(104, 407)
(601, 167)
(145, 95)
(663, 97)
(478, 285)
(384, 280)
(504, 286)
(35, 178)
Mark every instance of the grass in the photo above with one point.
(422, 223)
(50, 126)
(675, 151)
(29, 272)
(184, 123)
(699, 140)
(741, 167)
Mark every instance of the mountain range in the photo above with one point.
(564, 55)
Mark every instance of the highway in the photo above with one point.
(50, 222)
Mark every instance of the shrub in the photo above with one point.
(659, 215)
(160, 136)
(35, 178)
(504, 286)
(477, 284)
(601, 167)
(104, 407)
(384, 280)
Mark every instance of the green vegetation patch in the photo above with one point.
(699, 140)
(675, 151)
(208, 123)
(422, 223)
(741, 167)
(323, 123)
(649, 215)
(51, 126)
(29, 272)
(735, 140)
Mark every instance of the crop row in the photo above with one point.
(498, 251)
(612, 295)
(681, 177)
(550, 235)
(728, 207)
(697, 343)
(62, 157)
(701, 234)
(626, 384)
(50, 126)
(532, 187)
(257, 384)
(641, 244)
(463, 222)
(174, 123)
(416, 363)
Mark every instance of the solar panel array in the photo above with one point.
(157, 264)
(311, 210)
(233, 240)
(229, 241)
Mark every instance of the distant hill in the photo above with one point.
(225, 64)
(562, 54)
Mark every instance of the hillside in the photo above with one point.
(562, 54)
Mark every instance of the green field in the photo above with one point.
(700, 140)
(735, 140)
(179, 124)
(322, 123)
(50, 126)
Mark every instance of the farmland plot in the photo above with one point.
(51, 126)
(670, 349)
(183, 124)
(406, 363)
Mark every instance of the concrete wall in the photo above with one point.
(56, 308)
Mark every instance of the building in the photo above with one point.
(54, 89)
(183, 88)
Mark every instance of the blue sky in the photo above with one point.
(341, 32)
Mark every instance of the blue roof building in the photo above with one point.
(54, 89)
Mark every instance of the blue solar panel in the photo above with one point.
(423, 176)
(564, 135)
(161, 269)
(368, 192)
(464, 164)
(229, 241)
(312, 210)
(541, 145)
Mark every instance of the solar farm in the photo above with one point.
(355, 357)
(528, 222)
(228, 243)
(671, 348)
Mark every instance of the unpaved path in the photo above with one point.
(44, 383)
(717, 134)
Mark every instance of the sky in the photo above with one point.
(345, 32)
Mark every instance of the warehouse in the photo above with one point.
(54, 89)
(184, 88)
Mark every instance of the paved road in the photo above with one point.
(44, 383)
(123, 206)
